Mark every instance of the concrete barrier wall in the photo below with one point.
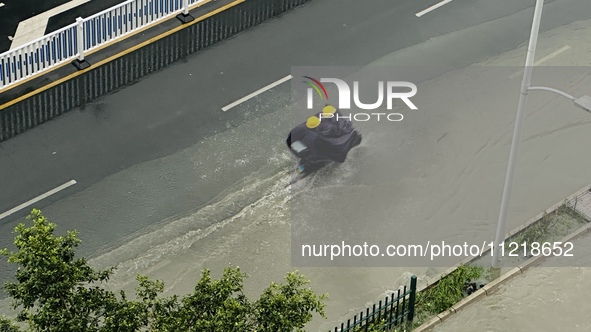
(54, 102)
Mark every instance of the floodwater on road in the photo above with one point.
(437, 175)
(553, 296)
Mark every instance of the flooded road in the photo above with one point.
(435, 176)
(543, 298)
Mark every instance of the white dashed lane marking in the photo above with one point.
(419, 14)
(259, 91)
(542, 60)
(38, 198)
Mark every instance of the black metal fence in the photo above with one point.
(109, 77)
(577, 203)
(390, 313)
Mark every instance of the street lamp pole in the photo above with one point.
(529, 61)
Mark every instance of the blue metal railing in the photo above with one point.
(74, 40)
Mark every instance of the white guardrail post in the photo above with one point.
(80, 62)
(185, 17)
(91, 32)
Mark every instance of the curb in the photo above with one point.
(432, 281)
(116, 41)
(493, 286)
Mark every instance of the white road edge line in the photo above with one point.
(419, 14)
(542, 60)
(259, 91)
(38, 198)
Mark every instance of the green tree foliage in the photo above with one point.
(55, 291)
(7, 326)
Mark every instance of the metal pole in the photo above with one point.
(500, 237)
(80, 41)
(185, 17)
(543, 88)
(412, 299)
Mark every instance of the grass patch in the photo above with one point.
(431, 301)
(464, 280)
(551, 227)
(448, 291)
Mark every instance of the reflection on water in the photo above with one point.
(435, 176)
(246, 224)
(544, 298)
